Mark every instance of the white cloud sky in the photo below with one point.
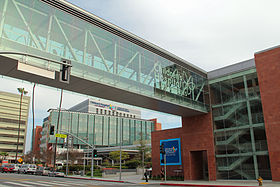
(208, 33)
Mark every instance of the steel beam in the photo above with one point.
(99, 51)
(66, 39)
(251, 128)
(36, 42)
(3, 18)
(132, 58)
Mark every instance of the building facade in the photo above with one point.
(106, 108)
(239, 137)
(37, 140)
(9, 123)
(96, 129)
(230, 117)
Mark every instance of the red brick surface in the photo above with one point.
(268, 70)
(196, 135)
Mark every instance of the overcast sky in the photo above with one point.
(208, 33)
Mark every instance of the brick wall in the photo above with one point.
(196, 135)
(268, 70)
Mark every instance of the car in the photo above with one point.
(5, 168)
(42, 170)
(15, 167)
(27, 168)
(56, 174)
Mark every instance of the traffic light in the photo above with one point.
(52, 130)
(65, 71)
(94, 153)
(162, 150)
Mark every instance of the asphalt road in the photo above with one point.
(24, 180)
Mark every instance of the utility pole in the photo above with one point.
(120, 178)
(58, 117)
(67, 156)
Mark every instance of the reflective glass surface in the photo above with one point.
(103, 129)
(241, 147)
(34, 27)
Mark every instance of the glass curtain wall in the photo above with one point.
(33, 27)
(101, 130)
(241, 147)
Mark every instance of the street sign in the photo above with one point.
(20, 160)
(61, 135)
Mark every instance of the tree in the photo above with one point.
(144, 152)
(73, 156)
(115, 155)
(22, 92)
(3, 155)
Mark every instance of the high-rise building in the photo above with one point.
(9, 123)
(106, 108)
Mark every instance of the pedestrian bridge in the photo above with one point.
(107, 61)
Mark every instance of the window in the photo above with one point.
(109, 112)
(101, 111)
(105, 111)
(96, 110)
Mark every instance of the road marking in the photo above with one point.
(53, 183)
(36, 183)
(13, 183)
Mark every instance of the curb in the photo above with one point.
(203, 185)
(96, 179)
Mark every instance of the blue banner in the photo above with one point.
(172, 148)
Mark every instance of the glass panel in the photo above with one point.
(97, 55)
(98, 129)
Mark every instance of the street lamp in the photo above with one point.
(22, 92)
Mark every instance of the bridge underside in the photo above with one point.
(9, 67)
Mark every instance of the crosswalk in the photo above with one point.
(54, 183)
(46, 183)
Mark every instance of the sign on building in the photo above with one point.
(172, 149)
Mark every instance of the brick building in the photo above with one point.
(239, 137)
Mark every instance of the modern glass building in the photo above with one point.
(230, 117)
(239, 130)
(96, 129)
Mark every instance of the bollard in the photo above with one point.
(260, 181)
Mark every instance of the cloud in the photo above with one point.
(209, 34)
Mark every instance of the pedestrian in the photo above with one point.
(162, 174)
(146, 175)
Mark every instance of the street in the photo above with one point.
(11, 179)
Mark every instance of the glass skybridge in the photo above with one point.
(100, 53)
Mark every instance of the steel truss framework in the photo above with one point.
(36, 28)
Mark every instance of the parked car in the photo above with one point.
(56, 174)
(5, 168)
(15, 167)
(42, 170)
(27, 168)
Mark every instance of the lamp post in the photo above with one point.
(22, 92)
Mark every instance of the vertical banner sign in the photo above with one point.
(172, 149)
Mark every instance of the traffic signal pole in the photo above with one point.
(164, 167)
(92, 162)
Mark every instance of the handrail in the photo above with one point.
(34, 56)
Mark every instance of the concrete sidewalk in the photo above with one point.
(137, 179)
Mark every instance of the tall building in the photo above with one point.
(97, 129)
(37, 139)
(9, 123)
(106, 108)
